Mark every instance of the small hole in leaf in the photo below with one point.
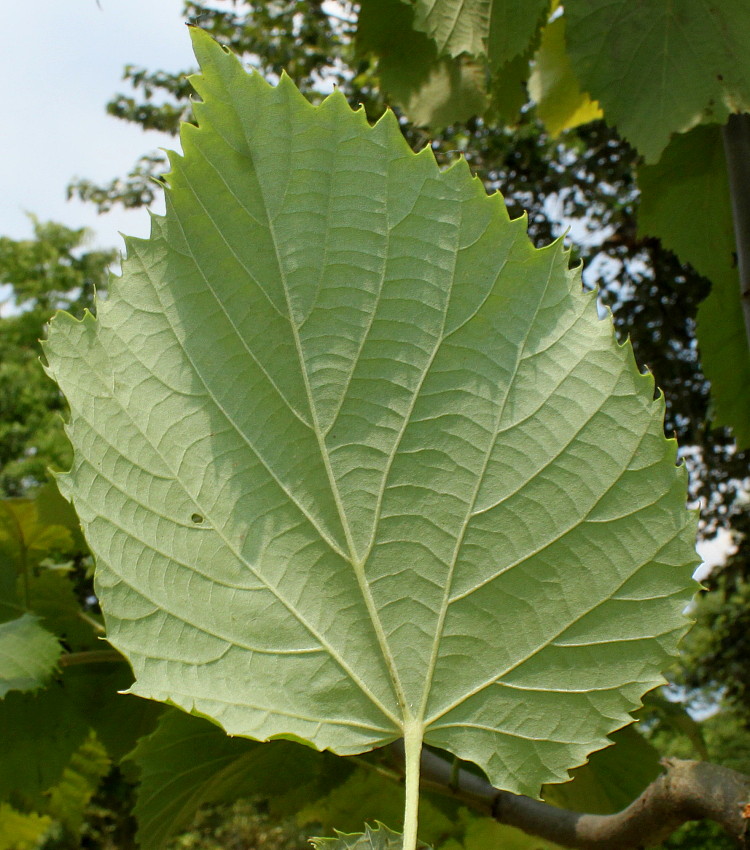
(197, 518)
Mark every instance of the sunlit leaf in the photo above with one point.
(357, 461)
(560, 103)
(21, 830)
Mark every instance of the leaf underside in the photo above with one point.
(353, 455)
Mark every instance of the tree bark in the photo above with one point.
(687, 790)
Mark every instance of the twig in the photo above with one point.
(94, 656)
(687, 790)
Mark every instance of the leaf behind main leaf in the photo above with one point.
(28, 654)
(353, 456)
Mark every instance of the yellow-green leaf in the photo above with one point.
(553, 86)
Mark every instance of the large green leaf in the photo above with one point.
(661, 68)
(356, 461)
(685, 203)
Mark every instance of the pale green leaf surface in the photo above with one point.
(433, 91)
(28, 654)
(685, 203)
(661, 68)
(187, 762)
(353, 455)
(560, 103)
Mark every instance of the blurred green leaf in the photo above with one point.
(67, 800)
(685, 203)
(188, 761)
(434, 91)
(366, 796)
(28, 654)
(611, 779)
(40, 732)
(21, 830)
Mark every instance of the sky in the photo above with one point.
(60, 63)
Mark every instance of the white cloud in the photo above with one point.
(714, 552)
